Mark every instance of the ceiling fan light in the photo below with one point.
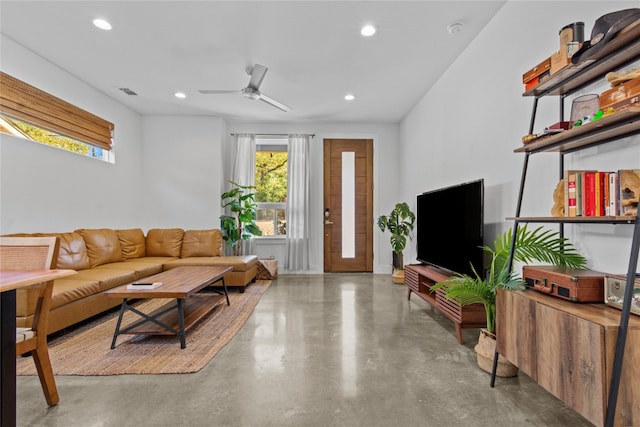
(250, 93)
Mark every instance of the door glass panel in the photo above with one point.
(348, 204)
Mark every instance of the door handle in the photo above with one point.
(327, 213)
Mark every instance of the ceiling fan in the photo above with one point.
(252, 91)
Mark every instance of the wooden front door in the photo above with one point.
(348, 205)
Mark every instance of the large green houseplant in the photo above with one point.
(538, 245)
(399, 223)
(240, 224)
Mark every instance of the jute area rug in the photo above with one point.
(86, 350)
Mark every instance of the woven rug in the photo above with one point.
(86, 350)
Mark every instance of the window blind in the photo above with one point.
(32, 105)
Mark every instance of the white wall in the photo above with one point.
(469, 123)
(182, 171)
(45, 189)
(386, 181)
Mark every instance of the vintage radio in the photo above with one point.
(569, 284)
(614, 287)
(621, 96)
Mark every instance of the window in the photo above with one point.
(271, 186)
(30, 113)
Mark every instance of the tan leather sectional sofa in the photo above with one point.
(106, 258)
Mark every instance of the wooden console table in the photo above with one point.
(568, 349)
(419, 280)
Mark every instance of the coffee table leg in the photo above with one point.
(183, 343)
(117, 331)
(226, 294)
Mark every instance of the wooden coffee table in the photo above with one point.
(174, 318)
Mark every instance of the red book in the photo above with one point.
(589, 194)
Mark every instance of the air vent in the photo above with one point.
(128, 91)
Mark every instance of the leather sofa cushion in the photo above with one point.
(69, 290)
(64, 292)
(239, 263)
(140, 269)
(152, 259)
(164, 242)
(72, 253)
(107, 278)
(201, 243)
(132, 242)
(103, 245)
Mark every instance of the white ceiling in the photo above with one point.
(313, 49)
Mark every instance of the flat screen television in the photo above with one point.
(449, 227)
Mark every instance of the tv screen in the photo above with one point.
(449, 227)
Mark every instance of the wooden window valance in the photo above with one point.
(32, 105)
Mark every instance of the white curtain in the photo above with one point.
(297, 250)
(244, 162)
(244, 168)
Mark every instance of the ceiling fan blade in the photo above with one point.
(257, 74)
(214, 91)
(275, 103)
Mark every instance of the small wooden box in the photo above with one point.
(559, 60)
(624, 95)
(536, 71)
(614, 287)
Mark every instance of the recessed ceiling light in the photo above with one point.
(102, 24)
(454, 28)
(349, 97)
(368, 30)
(180, 95)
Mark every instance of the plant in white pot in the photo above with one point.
(539, 245)
(400, 224)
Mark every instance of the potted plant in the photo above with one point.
(400, 224)
(538, 245)
(240, 224)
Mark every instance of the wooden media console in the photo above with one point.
(419, 280)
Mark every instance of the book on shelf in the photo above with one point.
(570, 192)
(614, 189)
(601, 193)
(144, 285)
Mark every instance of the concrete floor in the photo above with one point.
(332, 350)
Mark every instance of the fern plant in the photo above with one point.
(538, 245)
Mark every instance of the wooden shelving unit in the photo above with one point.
(624, 48)
(576, 219)
(610, 128)
(524, 330)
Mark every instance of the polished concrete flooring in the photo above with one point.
(319, 350)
